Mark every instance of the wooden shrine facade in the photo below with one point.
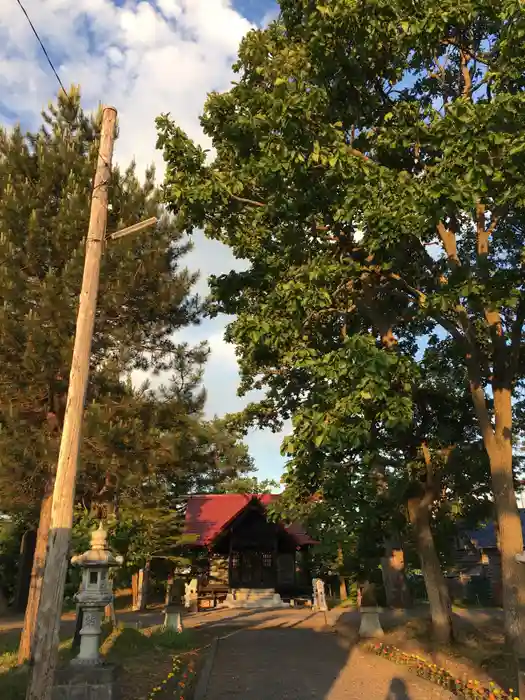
(244, 548)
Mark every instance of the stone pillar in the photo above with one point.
(90, 637)
(370, 626)
(174, 606)
(173, 618)
(191, 595)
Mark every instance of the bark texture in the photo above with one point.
(436, 585)
(37, 577)
(140, 585)
(25, 564)
(510, 534)
(394, 580)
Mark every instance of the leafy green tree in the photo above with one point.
(248, 485)
(11, 530)
(390, 484)
(344, 520)
(368, 167)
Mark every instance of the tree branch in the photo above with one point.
(419, 296)
(465, 72)
(471, 54)
(515, 339)
(431, 484)
(359, 154)
(492, 316)
(378, 319)
(244, 200)
(448, 239)
(482, 236)
(451, 328)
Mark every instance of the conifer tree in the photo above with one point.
(145, 296)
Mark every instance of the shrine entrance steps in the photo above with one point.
(254, 598)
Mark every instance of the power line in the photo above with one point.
(42, 46)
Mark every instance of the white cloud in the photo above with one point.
(271, 15)
(145, 58)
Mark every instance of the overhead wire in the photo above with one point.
(42, 45)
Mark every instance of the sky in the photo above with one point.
(145, 58)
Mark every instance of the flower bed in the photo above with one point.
(440, 676)
(178, 680)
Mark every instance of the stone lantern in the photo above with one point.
(370, 625)
(94, 594)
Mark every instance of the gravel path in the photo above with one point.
(291, 657)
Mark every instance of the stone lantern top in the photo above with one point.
(99, 554)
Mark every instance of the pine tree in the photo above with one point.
(145, 295)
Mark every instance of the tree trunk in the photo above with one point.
(343, 593)
(135, 590)
(25, 564)
(3, 603)
(499, 449)
(37, 577)
(437, 590)
(394, 580)
(169, 590)
(142, 588)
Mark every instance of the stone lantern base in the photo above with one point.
(173, 618)
(76, 682)
(370, 625)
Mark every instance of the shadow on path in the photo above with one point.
(298, 660)
(398, 690)
(272, 664)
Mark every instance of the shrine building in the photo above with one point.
(249, 559)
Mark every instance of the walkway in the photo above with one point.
(290, 655)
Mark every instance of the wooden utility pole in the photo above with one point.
(45, 646)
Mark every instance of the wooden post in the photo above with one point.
(45, 647)
(343, 593)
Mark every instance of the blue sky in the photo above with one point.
(145, 57)
(257, 11)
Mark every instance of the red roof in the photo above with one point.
(208, 514)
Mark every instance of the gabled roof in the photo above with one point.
(485, 536)
(208, 514)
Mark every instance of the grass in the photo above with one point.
(145, 657)
(13, 678)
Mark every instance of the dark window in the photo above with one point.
(93, 577)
